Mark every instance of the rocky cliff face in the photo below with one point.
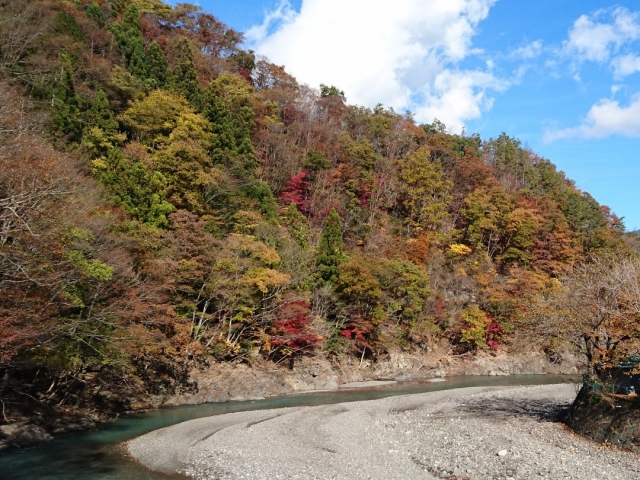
(224, 382)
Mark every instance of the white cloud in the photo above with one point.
(456, 96)
(605, 118)
(593, 40)
(625, 65)
(282, 14)
(404, 54)
(529, 51)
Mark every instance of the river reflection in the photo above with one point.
(97, 455)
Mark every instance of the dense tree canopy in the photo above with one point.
(201, 205)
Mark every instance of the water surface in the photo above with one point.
(98, 455)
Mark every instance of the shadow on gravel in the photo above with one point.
(543, 410)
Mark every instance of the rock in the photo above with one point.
(107, 395)
(606, 418)
(76, 423)
(22, 435)
(222, 382)
(444, 434)
(156, 401)
(369, 384)
(246, 398)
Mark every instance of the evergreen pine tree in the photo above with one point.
(101, 133)
(185, 76)
(232, 143)
(157, 72)
(261, 193)
(100, 114)
(66, 119)
(67, 25)
(298, 225)
(131, 42)
(217, 113)
(244, 126)
(95, 13)
(330, 251)
(133, 187)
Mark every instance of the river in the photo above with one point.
(97, 455)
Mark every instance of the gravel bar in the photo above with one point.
(469, 433)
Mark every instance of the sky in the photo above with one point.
(563, 76)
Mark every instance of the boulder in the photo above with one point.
(22, 435)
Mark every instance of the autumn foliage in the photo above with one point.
(169, 200)
(293, 333)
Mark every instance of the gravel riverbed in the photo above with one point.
(470, 433)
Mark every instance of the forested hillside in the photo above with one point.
(168, 199)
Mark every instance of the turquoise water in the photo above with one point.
(97, 455)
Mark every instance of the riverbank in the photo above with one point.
(474, 433)
(222, 382)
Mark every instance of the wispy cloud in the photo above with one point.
(625, 65)
(274, 19)
(528, 52)
(596, 37)
(605, 118)
(610, 37)
(404, 54)
(606, 36)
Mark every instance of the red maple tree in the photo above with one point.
(295, 191)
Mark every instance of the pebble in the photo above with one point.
(451, 436)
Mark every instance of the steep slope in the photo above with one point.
(199, 205)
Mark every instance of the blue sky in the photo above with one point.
(563, 76)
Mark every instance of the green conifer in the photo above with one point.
(232, 144)
(131, 42)
(67, 120)
(261, 193)
(67, 25)
(157, 71)
(330, 251)
(298, 225)
(100, 114)
(101, 133)
(185, 76)
(218, 114)
(95, 13)
(133, 187)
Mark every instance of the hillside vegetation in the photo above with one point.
(168, 199)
